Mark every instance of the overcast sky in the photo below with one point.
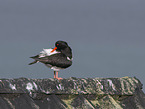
(107, 37)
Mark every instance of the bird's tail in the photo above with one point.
(33, 62)
(34, 57)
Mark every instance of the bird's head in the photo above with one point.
(59, 45)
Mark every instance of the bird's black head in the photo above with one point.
(61, 45)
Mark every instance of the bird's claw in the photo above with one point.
(58, 78)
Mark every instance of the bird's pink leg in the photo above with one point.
(57, 76)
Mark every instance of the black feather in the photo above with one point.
(33, 62)
(58, 60)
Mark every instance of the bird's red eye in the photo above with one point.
(57, 44)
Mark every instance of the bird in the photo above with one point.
(60, 57)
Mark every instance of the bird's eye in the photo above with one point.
(57, 44)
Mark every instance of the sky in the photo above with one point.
(107, 37)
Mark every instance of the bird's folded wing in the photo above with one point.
(59, 60)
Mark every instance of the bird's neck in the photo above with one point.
(67, 51)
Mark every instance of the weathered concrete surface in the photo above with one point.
(77, 93)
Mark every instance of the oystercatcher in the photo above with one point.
(58, 58)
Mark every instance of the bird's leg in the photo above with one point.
(54, 74)
(57, 76)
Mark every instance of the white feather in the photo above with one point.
(53, 67)
(47, 52)
(69, 59)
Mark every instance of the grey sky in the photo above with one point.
(107, 37)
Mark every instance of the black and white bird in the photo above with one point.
(58, 58)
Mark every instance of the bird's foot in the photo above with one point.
(58, 78)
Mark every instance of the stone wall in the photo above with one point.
(72, 93)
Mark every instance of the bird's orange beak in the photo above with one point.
(54, 49)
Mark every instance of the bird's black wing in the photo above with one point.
(58, 60)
